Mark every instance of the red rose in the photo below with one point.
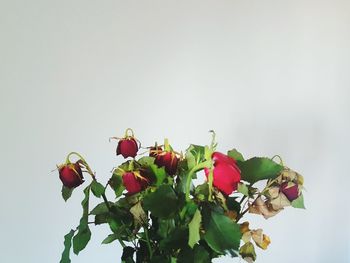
(71, 175)
(226, 174)
(168, 160)
(291, 191)
(134, 182)
(127, 147)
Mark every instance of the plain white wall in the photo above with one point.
(271, 77)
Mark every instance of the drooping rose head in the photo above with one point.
(134, 182)
(290, 190)
(127, 146)
(168, 160)
(71, 174)
(226, 174)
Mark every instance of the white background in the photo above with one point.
(270, 77)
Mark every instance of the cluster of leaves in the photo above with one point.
(173, 220)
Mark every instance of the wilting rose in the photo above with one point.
(154, 151)
(71, 175)
(290, 190)
(134, 182)
(226, 174)
(168, 160)
(127, 147)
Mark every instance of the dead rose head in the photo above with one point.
(226, 174)
(128, 145)
(167, 158)
(134, 182)
(71, 174)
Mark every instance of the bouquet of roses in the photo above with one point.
(159, 214)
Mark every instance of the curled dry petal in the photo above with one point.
(260, 239)
(263, 208)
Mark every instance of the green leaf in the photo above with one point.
(66, 192)
(67, 246)
(201, 255)
(161, 203)
(85, 203)
(146, 161)
(165, 226)
(110, 238)
(235, 155)
(243, 189)
(196, 154)
(83, 236)
(196, 255)
(193, 227)
(175, 240)
(116, 182)
(81, 239)
(97, 189)
(100, 209)
(159, 173)
(222, 234)
(299, 202)
(259, 168)
(101, 218)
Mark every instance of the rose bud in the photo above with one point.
(290, 190)
(168, 160)
(127, 146)
(155, 150)
(71, 175)
(226, 174)
(134, 182)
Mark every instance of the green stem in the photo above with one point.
(195, 169)
(121, 242)
(148, 243)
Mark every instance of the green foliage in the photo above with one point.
(194, 155)
(243, 189)
(194, 226)
(171, 219)
(100, 209)
(97, 189)
(66, 192)
(110, 238)
(221, 233)
(81, 239)
(299, 202)
(162, 203)
(235, 155)
(196, 255)
(116, 182)
(259, 168)
(67, 246)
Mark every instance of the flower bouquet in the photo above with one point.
(169, 206)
